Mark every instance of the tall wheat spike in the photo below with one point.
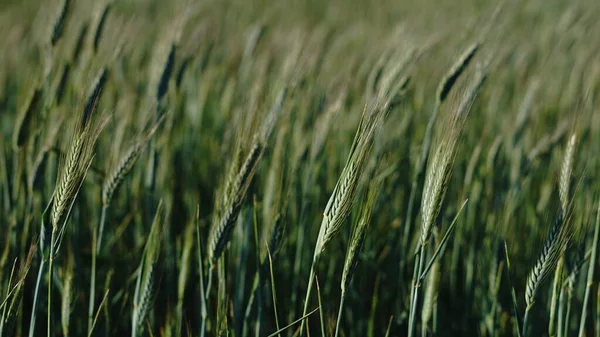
(342, 198)
(439, 171)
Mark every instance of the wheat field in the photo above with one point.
(299, 168)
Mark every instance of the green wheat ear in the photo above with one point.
(146, 273)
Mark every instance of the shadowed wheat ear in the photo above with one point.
(100, 23)
(236, 185)
(59, 25)
(555, 245)
(110, 185)
(142, 297)
(118, 173)
(455, 71)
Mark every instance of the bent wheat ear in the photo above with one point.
(118, 173)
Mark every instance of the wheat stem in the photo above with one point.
(590, 276)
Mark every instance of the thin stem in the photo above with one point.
(209, 283)
(320, 309)
(50, 269)
(273, 290)
(598, 313)
(249, 305)
(311, 279)
(568, 313)
(554, 299)
(337, 325)
(561, 309)
(203, 311)
(590, 276)
(96, 241)
(415, 297)
(35, 298)
(525, 321)
(101, 228)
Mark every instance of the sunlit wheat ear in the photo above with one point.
(142, 298)
(555, 245)
(75, 166)
(236, 185)
(80, 153)
(118, 173)
(439, 169)
(341, 200)
(565, 173)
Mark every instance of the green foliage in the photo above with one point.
(183, 168)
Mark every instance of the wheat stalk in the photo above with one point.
(439, 171)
